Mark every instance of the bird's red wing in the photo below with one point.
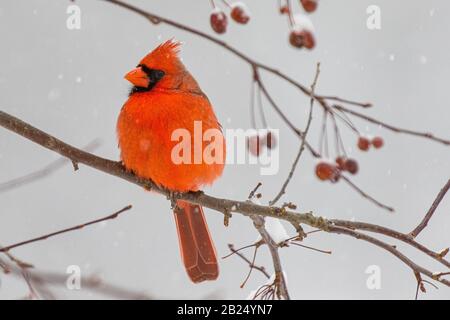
(196, 246)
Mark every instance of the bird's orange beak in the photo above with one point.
(138, 77)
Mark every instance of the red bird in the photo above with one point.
(165, 98)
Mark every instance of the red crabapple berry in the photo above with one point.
(377, 142)
(309, 5)
(218, 21)
(325, 171)
(351, 166)
(284, 9)
(254, 145)
(296, 39)
(340, 161)
(271, 140)
(239, 13)
(308, 39)
(302, 38)
(363, 143)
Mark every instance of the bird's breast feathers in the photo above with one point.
(146, 128)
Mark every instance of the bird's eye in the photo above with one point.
(156, 75)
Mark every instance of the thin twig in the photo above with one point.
(43, 172)
(274, 105)
(23, 267)
(253, 192)
(93, 283)
(310, 248)
(426, 135)
(415, 267)
(235, 251)
(356, 225)
(282, 289)
(49, 235)
(431, 211)
(20, 263)
(4, 266)
(252, 105)
(302, 144)
(355, 103)
(243, 257)
(32, 291)
(261, 107)
(441, 274)
(289, 14)
(252, 263)
(366, 195)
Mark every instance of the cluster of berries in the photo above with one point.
(255, 144)
(302, 31)
(364, 143)
(331, 171)
(219, 19)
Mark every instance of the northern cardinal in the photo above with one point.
(165, 97)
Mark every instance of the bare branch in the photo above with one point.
(356, 225)
(44, 172)
(78, 227)
(426, 135)
(355, 103)
(366, 195)
(310, 248)
(431, 211)
(282, 290)
(40, 280)
(415, 267)
(302, 145)
(250, 263)
(4, 266)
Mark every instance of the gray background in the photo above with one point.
(70, 84)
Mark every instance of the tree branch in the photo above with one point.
(280, 281)
(431, 211)
(42, 173)
(426, 135)
(41, 279)
(365, 194)
(414, 267)
(356, 225)
(250, 264)
(224, 206)
(78, 227)
(302, 144)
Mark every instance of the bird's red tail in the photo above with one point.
(196, 246)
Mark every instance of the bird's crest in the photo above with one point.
(164, 57)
